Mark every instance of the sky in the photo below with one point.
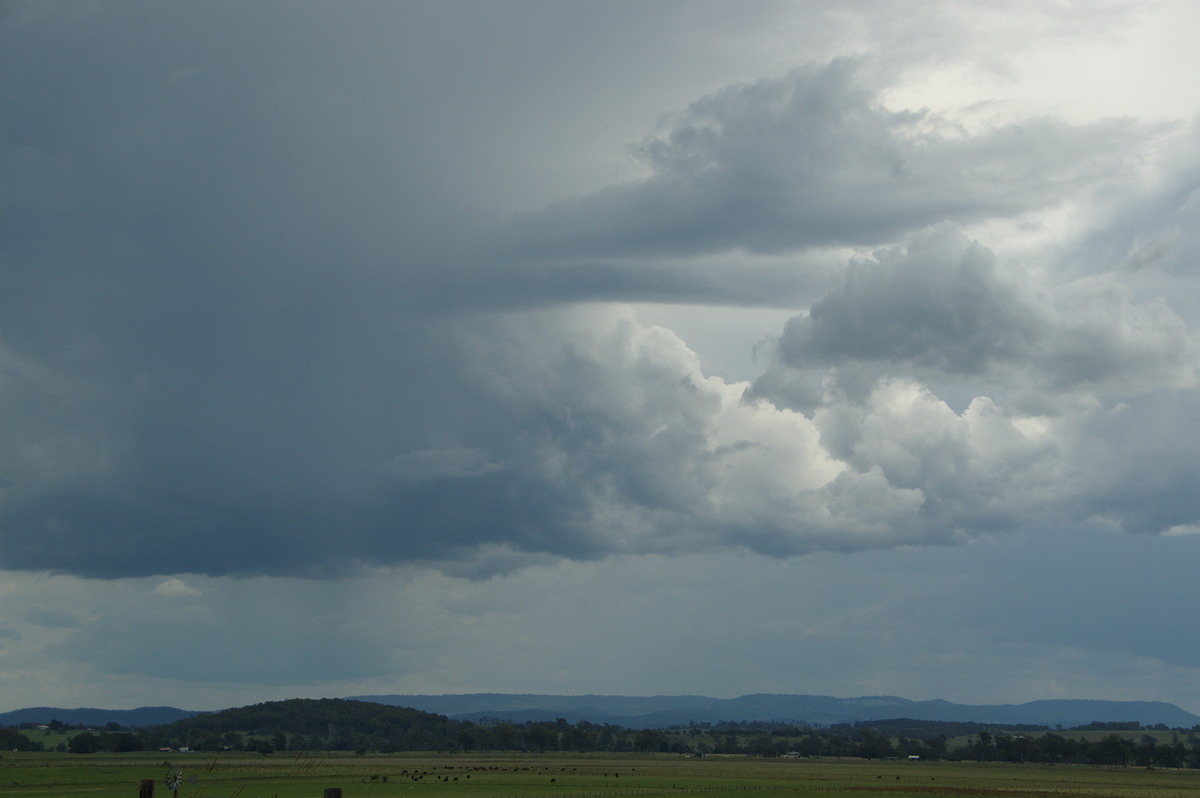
(600, 347)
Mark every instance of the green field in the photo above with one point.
(561, 776)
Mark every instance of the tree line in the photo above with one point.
(344, 725)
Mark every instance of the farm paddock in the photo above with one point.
(482, 775)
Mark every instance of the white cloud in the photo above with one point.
(175, 587)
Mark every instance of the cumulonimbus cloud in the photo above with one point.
(238, 363)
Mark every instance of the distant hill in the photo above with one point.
(88, 716)
(667, 711)
(324, 723)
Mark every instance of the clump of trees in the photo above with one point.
(13, 740)
(1110, 749)
(116, 742)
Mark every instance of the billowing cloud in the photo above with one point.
(577, 434)
(812, 159)
(1049, 377)
(943, 306)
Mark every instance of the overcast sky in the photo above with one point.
(604, 347)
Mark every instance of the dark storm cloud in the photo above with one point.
(253, 268)
(304, 468)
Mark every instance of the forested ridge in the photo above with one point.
(362, 726)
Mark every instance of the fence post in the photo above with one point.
(146, 788)
(333, 792)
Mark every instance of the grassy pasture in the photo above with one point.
(562, 776)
